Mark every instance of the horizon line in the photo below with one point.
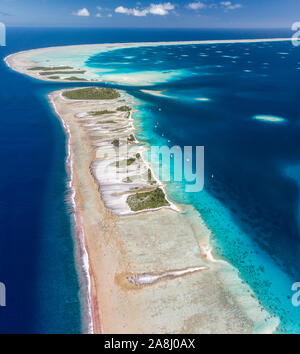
(150, 28)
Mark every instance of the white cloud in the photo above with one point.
(137, 12)
(82, 12)
(153, 9)
(123, 10)
(98, 14)
(230, 6)
(160, 9)
(134, 12)
(196, 5)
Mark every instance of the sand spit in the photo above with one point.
(152, 278)
(151, 272)
(69, 61)
(156, 93)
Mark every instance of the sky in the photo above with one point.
(151, 14)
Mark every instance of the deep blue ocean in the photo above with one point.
(251, 195)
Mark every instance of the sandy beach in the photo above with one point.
(155, 265)
(151, 270)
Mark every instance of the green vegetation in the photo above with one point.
(123, 163)
(92, 93)
(138, 155)
(100, 113)
(130, 161)
(46, 73)
(149, 175)
(116, 143)
(39, 68)
(150, 178)
(54, 77)
(74, 78)
(131, 138)
(106, 122)
(124, 109)
(147, 200)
